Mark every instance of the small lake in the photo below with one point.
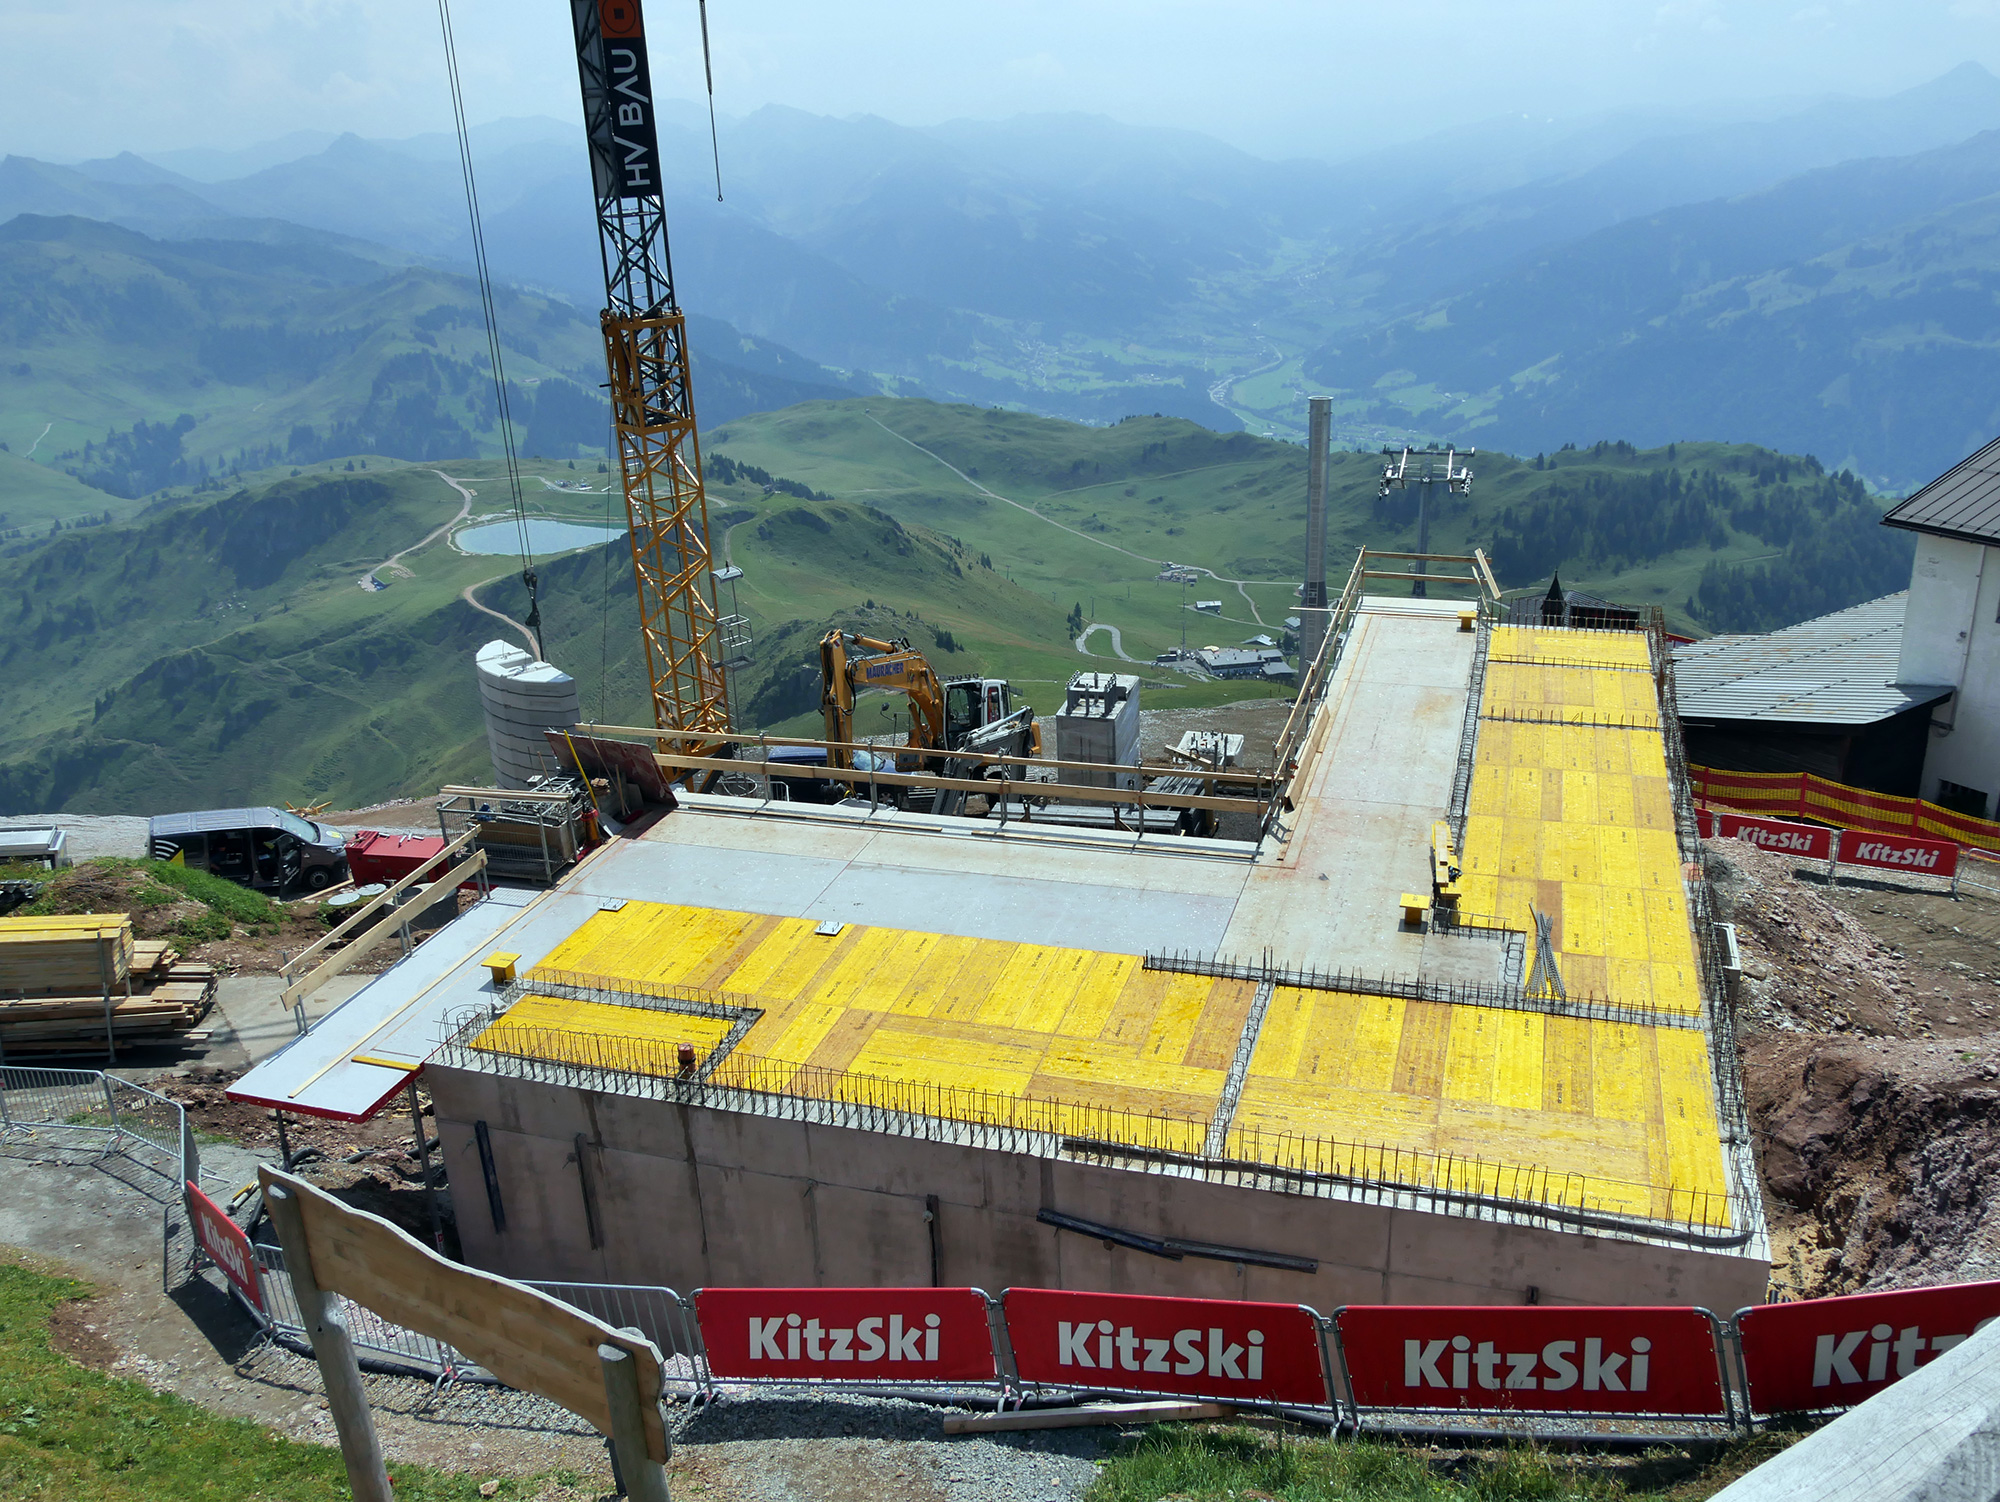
(543, 537)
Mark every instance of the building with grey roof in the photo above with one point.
(1822, 696)
(1951, 629)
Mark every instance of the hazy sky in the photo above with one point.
(1279, 77)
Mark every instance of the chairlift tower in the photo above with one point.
(732, 637)
(1421, 467)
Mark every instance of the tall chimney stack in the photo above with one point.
(1312, 601)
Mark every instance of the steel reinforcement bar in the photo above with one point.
(1037, 1127)
(1449, 993)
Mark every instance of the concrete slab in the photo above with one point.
(1386, 747)
(402, 1014)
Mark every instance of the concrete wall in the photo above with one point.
(689, 1197)
(1951, 635)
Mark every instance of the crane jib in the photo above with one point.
(617, 98)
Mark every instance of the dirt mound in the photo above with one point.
(1870, 1071)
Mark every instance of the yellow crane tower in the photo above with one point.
(652, 403)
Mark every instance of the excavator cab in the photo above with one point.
(971, 704)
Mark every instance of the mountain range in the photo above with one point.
(1816, 281)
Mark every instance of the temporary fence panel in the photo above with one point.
(1622, 1360)
(1196, 1348)
(663, 1315)
(67, 1100)
(1898, 853)
(1828, 1353)
(857, 1336)
(1804, 795)
(224, 1243)
(373, 1337)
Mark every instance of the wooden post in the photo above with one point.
(327, 1332)
(645, 1479)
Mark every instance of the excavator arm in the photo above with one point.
(886, 664)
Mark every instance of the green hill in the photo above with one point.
(135, 365)
(1725, 536)
(222, 648)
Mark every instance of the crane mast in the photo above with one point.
(645, 348)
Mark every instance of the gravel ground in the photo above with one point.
(796, 1445)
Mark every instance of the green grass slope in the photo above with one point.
(1726, 536)
(221, 649)
(136, 365)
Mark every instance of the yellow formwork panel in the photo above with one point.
(1014, 988)
(1061, 978)
(590, 1032)
(1288, 1018)
(920, 1059)
(852, 981)
(1378, 1032)
(1090, 1008)
(1517, 1061)
(1472, 1054)
(975, 980)
(937, 979)
(1179, 1014)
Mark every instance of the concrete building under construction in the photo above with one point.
(773, 1043)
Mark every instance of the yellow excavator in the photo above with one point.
(959, 714)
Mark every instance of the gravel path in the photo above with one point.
(796, 1445)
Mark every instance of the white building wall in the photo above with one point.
(1951, 634)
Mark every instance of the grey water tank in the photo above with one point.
(522, 697)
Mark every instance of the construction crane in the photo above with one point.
(652, 402)
(964, 714)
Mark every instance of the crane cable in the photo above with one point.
(708, 72)
(529, 578)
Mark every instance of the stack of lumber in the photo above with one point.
(66, 955)
(153, 960)
(52, 993)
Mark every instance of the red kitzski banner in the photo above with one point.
(227, 1247)
(1587, 1360)
(1895, 852)
(1198, 1348)
(1810, 841)
(847, 1334)
(1824, 1353)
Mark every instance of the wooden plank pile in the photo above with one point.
(65, 955)
(59, 975)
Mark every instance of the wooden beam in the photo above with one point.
(1427, 578)
(1485, 571)
(1426, 557)
(524, 1337)
(297, 963)
(445, 886)
(983, 758)
(994, 787)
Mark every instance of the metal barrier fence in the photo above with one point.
(105, 1115)
(666, 1318)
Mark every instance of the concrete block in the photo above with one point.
(760, 1232)
(538, 1110)
(653, 1218)
(638, 1126)
(870, 1240)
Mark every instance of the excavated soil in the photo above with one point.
(1871, 1067)
(372, 1164)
